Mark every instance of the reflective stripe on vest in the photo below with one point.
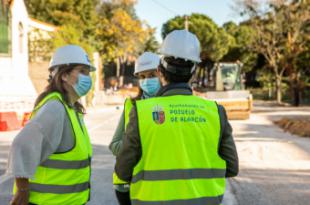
(59, 189)
(64, 178)
(127, 109)
(179, 174)
(60, 164)
(203, 200)
(180, 163)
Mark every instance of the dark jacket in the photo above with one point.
(131, 153)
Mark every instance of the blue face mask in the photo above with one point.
(83, 85)
(150, 86)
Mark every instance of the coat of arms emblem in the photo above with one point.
(158, 115)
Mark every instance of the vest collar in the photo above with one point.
(175, 89)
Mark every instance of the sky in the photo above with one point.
(157, 12)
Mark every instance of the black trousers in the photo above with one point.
(123, 198)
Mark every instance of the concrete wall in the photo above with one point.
(38, 73)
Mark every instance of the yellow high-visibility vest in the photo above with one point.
(127, 109)
(64, 178)
(180, 163)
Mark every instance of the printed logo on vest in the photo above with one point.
(158, 115)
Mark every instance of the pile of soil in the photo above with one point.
(297, 125)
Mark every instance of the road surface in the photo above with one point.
(274, 166)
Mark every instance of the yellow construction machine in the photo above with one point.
(224, 84)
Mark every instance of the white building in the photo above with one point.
(17, 92)
(21, 80)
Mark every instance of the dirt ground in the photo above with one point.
(297, 125)
(274, 166)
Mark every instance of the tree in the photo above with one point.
(268, 40)
(151, 43)
(119, 34)
(76, 21)
(211, 37)
(295, 18)
(279, 35)
(80, 13)
(240, 50)
(215, 42)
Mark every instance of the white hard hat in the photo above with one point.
(70, 54)
(181, 44)
(147, 61)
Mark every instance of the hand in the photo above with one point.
(20, 198)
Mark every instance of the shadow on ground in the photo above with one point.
(272, 187)
(274, 165)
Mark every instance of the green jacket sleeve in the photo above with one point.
(227, 148)
(131, 152)
(117, 140)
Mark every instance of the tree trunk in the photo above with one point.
(297, 96)
(118, 67)
(279, 89)
(119, 70)
(296, 88)
(204, 78)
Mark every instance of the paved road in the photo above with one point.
(274, 166)
(101, 123)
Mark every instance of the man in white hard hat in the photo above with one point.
(178, 148)
(50, 158)
(145, 70)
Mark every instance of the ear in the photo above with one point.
(160, 74)
(64, 77)
(158, 71)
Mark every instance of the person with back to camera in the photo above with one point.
(178, 148)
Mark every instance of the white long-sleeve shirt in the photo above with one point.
(49, 131)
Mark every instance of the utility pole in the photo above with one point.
(186, 22)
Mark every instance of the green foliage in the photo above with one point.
(240, 51)
(4, 36)
(119, 33)
(4, 28)
(151, 43)
(60, 12)
(70, 15)
(40, 45)
(281, 35)
(109, 27)
(215, 42)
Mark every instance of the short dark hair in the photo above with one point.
(176, 70)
